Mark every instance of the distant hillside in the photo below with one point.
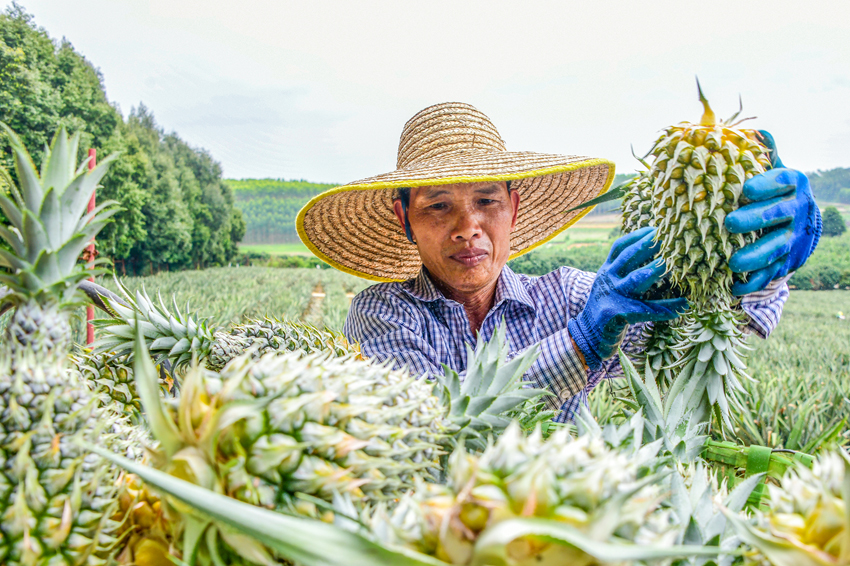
(269, 207)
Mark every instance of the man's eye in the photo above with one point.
(486, 201)
(437, 206)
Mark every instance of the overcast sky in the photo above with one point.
(321, 89)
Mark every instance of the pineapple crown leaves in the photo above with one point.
(167, 335)
(491, 390)
(702, 517)
(818, 498)
(680, 432)
(49, 224)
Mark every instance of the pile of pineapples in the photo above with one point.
(273, 442)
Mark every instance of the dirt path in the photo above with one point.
(313, 313)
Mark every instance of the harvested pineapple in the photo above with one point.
(284, 431)
(56, 499)
(177, 336)
(695, 179)
(594, 493)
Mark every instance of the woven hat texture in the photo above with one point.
(353, 227)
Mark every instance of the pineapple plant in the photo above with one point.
(177, 337)
(695, 179)
(56, 499)
(491, 507)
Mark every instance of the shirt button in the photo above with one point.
(565, 395)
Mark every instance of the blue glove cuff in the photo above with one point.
(818, 230)
(582, 332)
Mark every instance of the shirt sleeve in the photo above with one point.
(763, 308)
(388, 328)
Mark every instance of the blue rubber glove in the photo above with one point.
(614, 300)
(784, 206)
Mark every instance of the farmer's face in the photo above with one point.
(463, 231)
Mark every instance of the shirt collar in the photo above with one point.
(509, 288)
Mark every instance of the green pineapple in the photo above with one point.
(526, 501)
(697, 176)
(112, 378)
(56, 500)
(285, 432)
(177, 337)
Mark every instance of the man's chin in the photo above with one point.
(472, 278)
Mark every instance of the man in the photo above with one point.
(440, 229)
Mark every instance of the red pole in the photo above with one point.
(90, 308)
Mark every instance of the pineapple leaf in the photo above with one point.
(613, 194)
(8, 259)
(13, 240)
(738, 498)
(57, 167)
(27, 174)
(147, 384)
(34, 236)
(492, 546)
(293, 538)
(50, 217)
(12, 212)
(780, 552)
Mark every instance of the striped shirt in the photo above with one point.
(414, 325)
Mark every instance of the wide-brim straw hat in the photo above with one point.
(354, 228)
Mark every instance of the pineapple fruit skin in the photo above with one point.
(698, 176)
(57, 501)
(316, 425)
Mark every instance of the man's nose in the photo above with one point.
(467, 226)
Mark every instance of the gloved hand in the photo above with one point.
(783, 203)
(614, 299)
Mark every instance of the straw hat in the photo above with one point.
(354, 228)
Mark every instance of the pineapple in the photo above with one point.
(177, 337)
(112, 377)
(697, 176)
(807, 523)
(147, 531)
(56, 500)
(530, 501)
(288, 431)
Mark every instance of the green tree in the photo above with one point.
(833, 223)
(176, 211)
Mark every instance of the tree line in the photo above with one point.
(176, 210)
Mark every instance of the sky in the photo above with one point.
(320, 89)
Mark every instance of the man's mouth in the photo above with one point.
(470, 256)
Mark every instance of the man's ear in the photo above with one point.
(515, 203)
(399, 213)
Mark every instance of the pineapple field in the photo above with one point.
(221, 418)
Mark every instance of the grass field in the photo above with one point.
(802, 372)
(276, 249)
